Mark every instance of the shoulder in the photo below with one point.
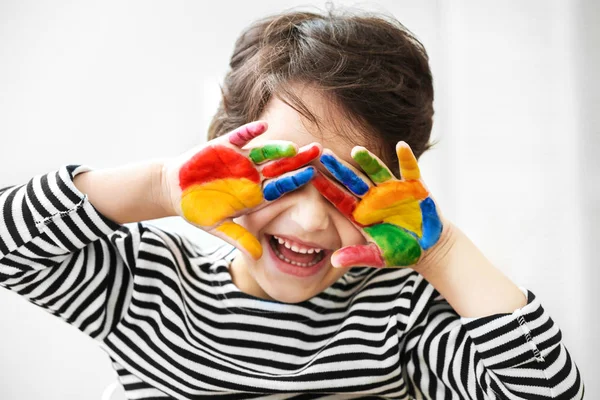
(149, 241)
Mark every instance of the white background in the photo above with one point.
(517, 101)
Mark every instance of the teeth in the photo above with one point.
(284, 258)
(295, 248)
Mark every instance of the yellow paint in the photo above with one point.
(410, 221)
(409, 168)
(212, 202)
(406, 214)
(242, 237)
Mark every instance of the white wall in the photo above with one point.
(104, 83)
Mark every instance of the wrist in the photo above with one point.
(470, 283)
(160, 194)
(438, 256)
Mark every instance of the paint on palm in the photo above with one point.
(219, 182)
(398, 216)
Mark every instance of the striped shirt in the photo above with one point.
(175, 326)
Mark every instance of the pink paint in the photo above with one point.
(358, 255)
(242, 135)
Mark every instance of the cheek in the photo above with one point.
(253, 225)
(349, 234)
(256, 221)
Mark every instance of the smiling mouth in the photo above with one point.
(291, 254)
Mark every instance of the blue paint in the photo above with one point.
(345, 175)
(432, 226)
(277, 188)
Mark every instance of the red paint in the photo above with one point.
(216, 162)
(341, 199)
(244, 134)
(284, 165)
(359, 255)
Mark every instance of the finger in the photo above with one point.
(340, 198)
(239, 237)
(371, 164)
(409, 168)
(273, 151)
(245, 133)
(432, 225)
(399, 247)
(359, 255)
(276, 188)
(305, 155)
(393, 198)
(345, 173)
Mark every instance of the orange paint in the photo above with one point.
(212, 202)
(409, 168)
(388, 198)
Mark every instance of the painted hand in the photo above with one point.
(397, 217)
(211, 185)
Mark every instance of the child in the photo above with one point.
(347, 281)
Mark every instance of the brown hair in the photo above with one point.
(370, 66)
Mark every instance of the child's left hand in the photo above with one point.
(398, 217)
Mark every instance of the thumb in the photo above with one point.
(240, 237)
(368, 255)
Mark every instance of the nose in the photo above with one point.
(310, 211)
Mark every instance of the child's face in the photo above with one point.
(303, 214)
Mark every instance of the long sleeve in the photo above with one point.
(502, 356)
(58, 252)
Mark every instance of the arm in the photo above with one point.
(61, 242)
(57, 251)
(515, 355)
(480, 333)
(472, 331)
(126, 194)
(467, 280)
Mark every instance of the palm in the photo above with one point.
(214, 183)
(398, 217)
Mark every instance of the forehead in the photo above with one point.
(285, 123)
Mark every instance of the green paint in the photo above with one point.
(399, 248)
(272, 152)
(376, 171)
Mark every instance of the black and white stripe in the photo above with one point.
(175, 326)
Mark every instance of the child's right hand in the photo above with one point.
(211, 184)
